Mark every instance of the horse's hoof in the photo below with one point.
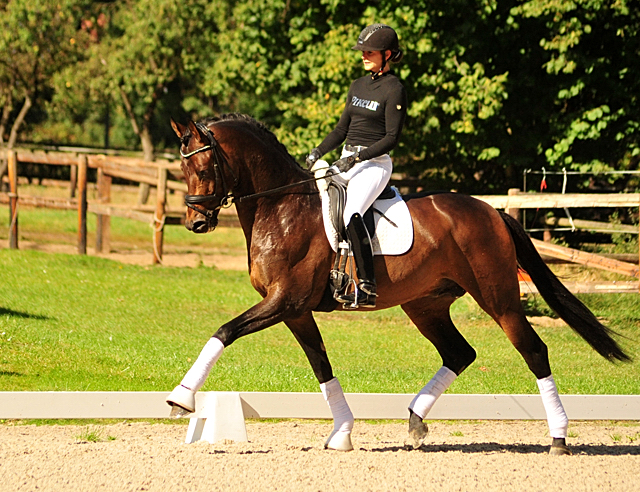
(178, 412)
(559, 448)
(340, 441)
(560, 451)
(182, 401)
(418, 431)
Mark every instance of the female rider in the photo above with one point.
(371, 123)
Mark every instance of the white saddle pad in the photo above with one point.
(394, 228)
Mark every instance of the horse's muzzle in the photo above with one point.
(201, 224)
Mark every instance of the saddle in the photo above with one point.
(337, 199)
(337, 194)
(388, 222)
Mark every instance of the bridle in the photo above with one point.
(223, 196)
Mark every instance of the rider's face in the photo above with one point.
(373, 60)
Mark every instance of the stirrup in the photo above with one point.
(364, 295)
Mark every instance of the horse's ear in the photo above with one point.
(178, 128)
(195, 131)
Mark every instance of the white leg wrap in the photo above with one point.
(425, 399)
(340, 438)
(556, 416)
(197, 375)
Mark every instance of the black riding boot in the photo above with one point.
(363, 255)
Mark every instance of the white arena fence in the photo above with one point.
(221, 415)
(256, 405)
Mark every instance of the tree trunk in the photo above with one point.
(147, 152)
(13, 136)
(147, 143)
(6, 112)
(145, 140)
(14, 130)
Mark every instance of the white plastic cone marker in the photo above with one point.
(220, 417)
(426, 398)
(556, 416)
(340, 438)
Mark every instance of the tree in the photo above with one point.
(594, 48)
(495, 87)
(37, 40)
(150, 51)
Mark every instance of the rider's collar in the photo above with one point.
(377, 75)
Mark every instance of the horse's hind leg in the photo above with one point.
(505, 307)
(305, 330)
(432, 318)
(534, 351)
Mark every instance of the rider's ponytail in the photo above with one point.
(396, 56)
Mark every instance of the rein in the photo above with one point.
(227, 198)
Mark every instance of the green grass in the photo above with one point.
(94, 434)
(80, 323)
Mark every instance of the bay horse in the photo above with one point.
(461, 245)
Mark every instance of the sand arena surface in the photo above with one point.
(289, 456)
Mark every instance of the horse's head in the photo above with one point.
(202, 166)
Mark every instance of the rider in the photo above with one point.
(371, 123)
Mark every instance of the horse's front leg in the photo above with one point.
(264, 314)
(306, 332)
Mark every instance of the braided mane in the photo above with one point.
(248, 120)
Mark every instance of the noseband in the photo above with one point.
(221, 195)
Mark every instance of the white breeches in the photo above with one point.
(364, 181)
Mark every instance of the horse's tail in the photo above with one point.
(558, 297)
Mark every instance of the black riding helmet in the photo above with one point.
(379, 37)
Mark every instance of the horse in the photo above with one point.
(461, 245)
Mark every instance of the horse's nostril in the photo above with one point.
(200, 226)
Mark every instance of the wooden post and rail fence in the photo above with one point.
(165, 174)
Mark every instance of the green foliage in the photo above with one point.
(146, 53)
(37, 39)
(591, 44)
(495, 86)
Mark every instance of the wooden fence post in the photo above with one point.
(12, 168)
(73, 180)
(103, 225)
(514, 212)
(82, 204)
(159, 217)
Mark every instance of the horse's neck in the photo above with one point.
(274, 174)
(274, 213)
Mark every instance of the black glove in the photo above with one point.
(347, 163)
(313, 156)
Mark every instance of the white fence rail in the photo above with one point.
(130, 405)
